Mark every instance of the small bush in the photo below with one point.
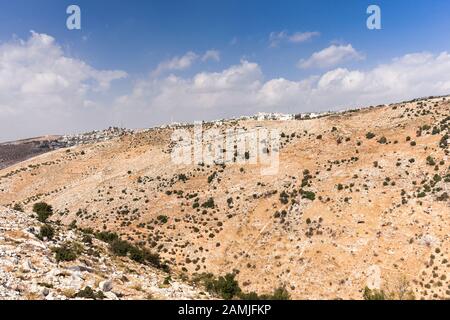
(374, 294)
(280, 294)
(431, 161)
(382, 140)
(209, 203)
(66, 252)
(46, 232)
(43, 211)
(370, 135)
(87, 238)
(88, 293)
(18, 207)
(136, 254)
(227, 287)
(443, 197)
(284, 197)
(120, 247)
(163, 219)
(107, 236)
(308, 195)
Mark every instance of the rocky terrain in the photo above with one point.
(361, 199)
(29, 269)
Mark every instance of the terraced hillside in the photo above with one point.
(361, 199)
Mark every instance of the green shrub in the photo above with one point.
(43, 211)
(136, 254)
(107, 236)
(280, 294)
(46, 232)
(227, 287)
(88, 293)
(443, 197)
(284, 197)
(374, 294)
(250, 296)
(430, 161)
(443, 142)
(87, 238)
(382, 140)
(163, 219)
(66, 252)
(421, 195)
(209, 203)
(370, 135)
(18, 207)
(308, 195)
(154, 259)
(120, 247)
(123, 248)
(211, 177)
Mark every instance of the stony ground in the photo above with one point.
(28, 269)
(361, 199)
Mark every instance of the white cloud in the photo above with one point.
(176, 63)
(211, 55)
(41, 89)
(184, 62)
(331, 56)
(241, 89)
(275, 38)
(189, 98)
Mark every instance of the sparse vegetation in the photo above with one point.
(43, 211)
(89, 293)
(46, 232)
(66, 252)
(18, 207)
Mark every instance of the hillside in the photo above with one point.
(29, 268)
(17, 151)
(358, 194)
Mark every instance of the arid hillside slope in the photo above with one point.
(30, 269)
(17, 151)
(361, 199)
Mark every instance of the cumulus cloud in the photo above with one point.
(43, 90)
(242, 89)
(331, 56)
(275, 38)
(206, 94)
(211, 55)
(176, 63)
(185, 61)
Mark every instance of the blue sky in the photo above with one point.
(136, 37)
